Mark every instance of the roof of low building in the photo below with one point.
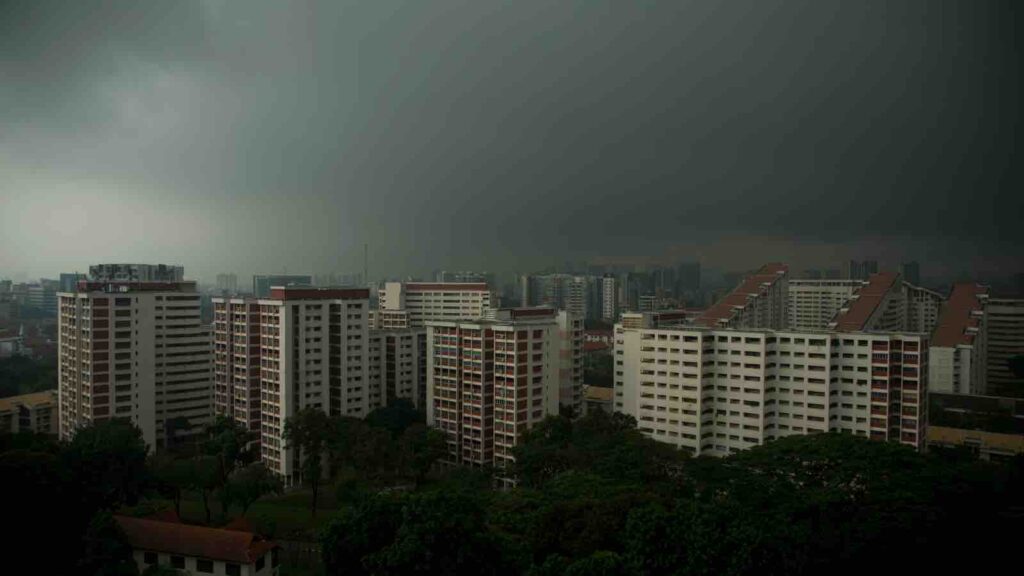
(598, 393)
(197, 541)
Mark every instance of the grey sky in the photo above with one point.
(248, 136)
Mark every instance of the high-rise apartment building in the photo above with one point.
(314, 353)
(137, 350)
(488, 381)
(758, 302)
(262, 283)
(430, 301)
(719, 391)
(1004, 339)
(813, 303)
(570, 361)
(236, 361)
(399, 364)
(609, 299)
(136, 273)
(227, 283)
(957, 355)
(42, 295)
(309, 347)
(69, 281)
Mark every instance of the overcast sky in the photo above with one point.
(249, 136)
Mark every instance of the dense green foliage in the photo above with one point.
(595, 497)
(62, 494)
(24, 375)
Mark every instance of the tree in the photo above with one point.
(307, 432)
(205, 477)
(106, 550)
(420, 447)
(248, 484)
(108, 461)
(172, 476)
(228, 443)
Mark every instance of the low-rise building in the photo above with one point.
(198, 549)
(992, 427)
(35, 412)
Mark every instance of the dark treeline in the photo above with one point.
(596, 497)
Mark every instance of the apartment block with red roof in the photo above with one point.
(760, 301)
(958, 345)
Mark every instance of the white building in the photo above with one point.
(488, 381)
(758, 302)
(813, 303)
(436, 301)
(399, 364)
(135, 350)
(719, 391)
(314, 353)
(609, 299)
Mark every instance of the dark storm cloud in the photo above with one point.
(504, 134)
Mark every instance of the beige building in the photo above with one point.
(719, 391)
(135, 350)
(922, 308)
(488, 381)
(35, 412)
(436, 301)
(399, 364)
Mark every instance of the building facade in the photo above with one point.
(136, 350)
(711, 391)
(813, 303)
(489, 381)
(436, 301)
(1004, 335)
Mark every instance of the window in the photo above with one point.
(149, 557)
(232, 569)
(259, 563)
(178, 562)
(205, 566)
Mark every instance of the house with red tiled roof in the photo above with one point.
(232, 551)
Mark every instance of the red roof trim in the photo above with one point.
(196, 541)
(751, 286)
(957, 315)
